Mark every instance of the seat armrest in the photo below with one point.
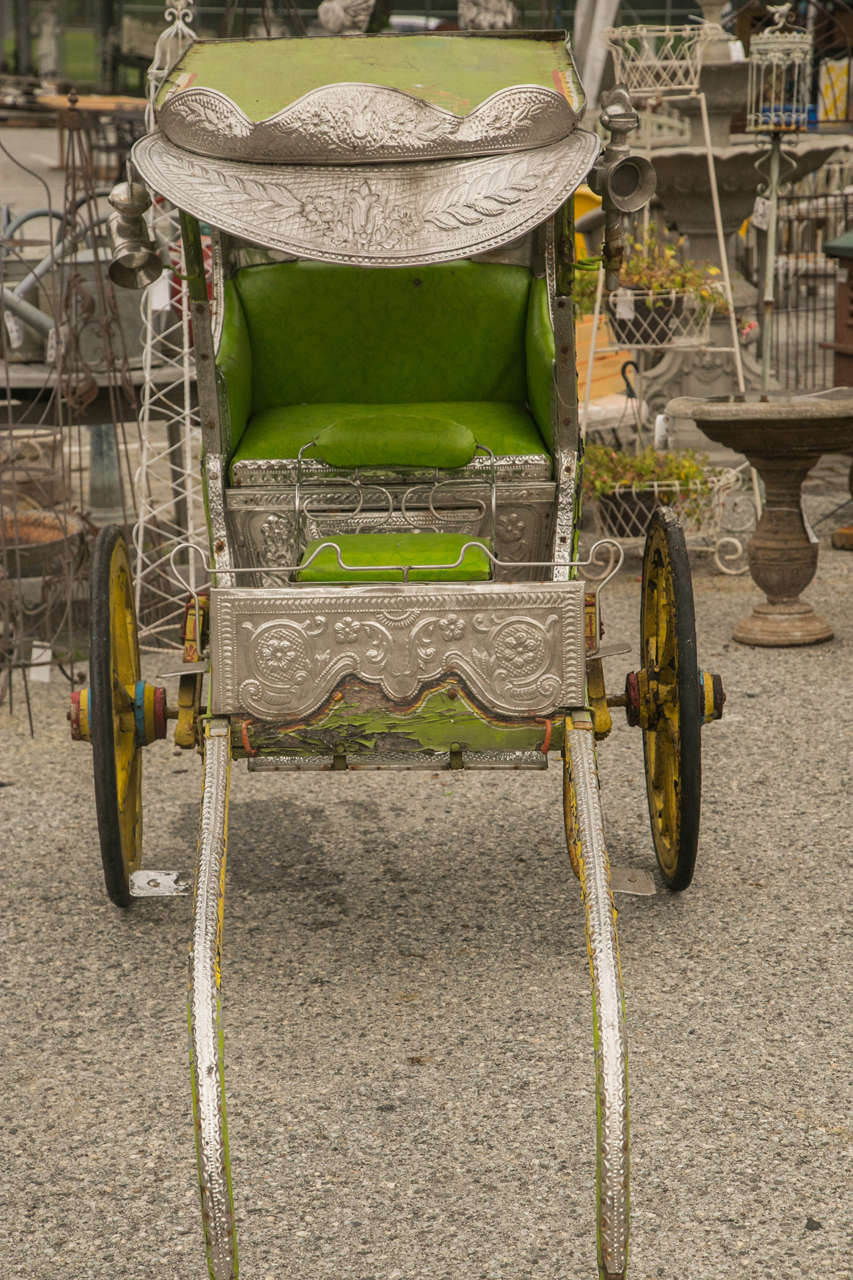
(234, 362)
(540, 352)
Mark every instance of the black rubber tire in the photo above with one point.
(114, 663)
(672, 748)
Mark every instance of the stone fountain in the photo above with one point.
(783, 438)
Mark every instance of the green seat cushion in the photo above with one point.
(397, 549)
(507, 429)
(401, 439)
(322, 333)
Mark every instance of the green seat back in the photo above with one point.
(306, 333)
(356, 335)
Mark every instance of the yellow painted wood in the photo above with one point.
(124, 661)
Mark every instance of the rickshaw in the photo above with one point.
(392, 466)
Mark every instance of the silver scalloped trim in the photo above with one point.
(353, 123)
(250, 472)
(384, 215)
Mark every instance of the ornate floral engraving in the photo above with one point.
(381, 215)
(519, 648)
(277, 471)
(281, 655)
(364, 123)
(278, 539)
(515, 529)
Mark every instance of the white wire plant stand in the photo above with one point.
(660, 65)
(714, 513)
(658, 318)
(659, 60)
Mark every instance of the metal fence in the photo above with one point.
(815, 210)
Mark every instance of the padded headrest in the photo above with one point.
(404, 440)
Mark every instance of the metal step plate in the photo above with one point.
(159, 884)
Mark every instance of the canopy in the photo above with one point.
(383, 150)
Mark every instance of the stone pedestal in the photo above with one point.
(783, 439)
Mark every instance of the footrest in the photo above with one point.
(383, 557)
(279, 654)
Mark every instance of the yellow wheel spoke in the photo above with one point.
(115, 664)
(670, 718)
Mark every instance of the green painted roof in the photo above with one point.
(840, 247)
(454, 72)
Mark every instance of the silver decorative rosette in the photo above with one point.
(519, 649)
(364, 124)
(373, 215)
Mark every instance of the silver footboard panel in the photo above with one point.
(279, 654)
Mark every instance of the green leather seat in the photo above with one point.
(507, 429)
(423, 350)
(380, 557)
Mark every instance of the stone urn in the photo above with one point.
(783, 438)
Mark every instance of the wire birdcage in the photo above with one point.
(779, 81)
(654, 60)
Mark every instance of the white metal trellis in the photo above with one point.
(171, 509)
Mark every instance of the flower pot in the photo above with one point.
(33, 540)
(640, 318)
(626, 512)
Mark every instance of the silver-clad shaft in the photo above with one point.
(611, 1067)
(205, 1012)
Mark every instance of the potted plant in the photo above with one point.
(628, 486)
(661, 295)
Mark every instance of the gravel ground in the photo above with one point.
(407, 1004)
(407, 998)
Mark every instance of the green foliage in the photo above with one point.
(607, 469)
(79, 57)
(654, 264)
(583, 291)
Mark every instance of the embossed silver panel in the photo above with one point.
(280, 653)
(265, 532)
(373, 215)
(279, 471)
(364, 124)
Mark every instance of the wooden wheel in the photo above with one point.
(668, 695)
(114, 677)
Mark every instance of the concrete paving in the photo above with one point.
(407, 1004)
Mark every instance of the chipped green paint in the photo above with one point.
(360, 723)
